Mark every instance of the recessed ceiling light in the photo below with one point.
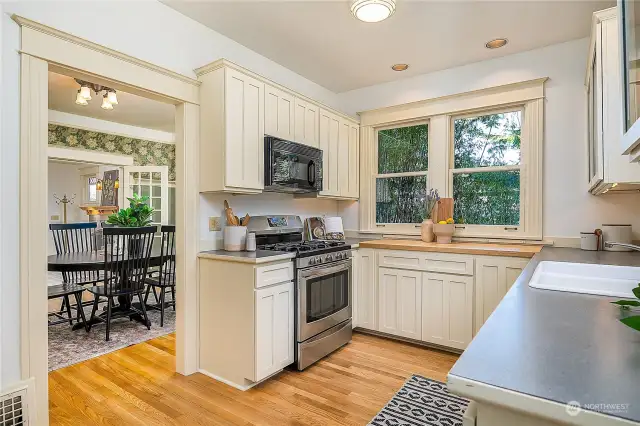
(494, 44)
(399, 67)
(373, 10)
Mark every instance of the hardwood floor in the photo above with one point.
(138, 386)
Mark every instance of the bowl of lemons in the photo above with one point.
(444, 231)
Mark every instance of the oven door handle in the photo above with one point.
(323, 270)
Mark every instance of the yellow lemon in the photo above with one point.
(442, 222)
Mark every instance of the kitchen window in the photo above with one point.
(481, 148)
(486, 172)
(401, 178)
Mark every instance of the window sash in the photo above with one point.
(397, 225)
(473, 229)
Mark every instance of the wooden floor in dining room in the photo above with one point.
(138, 386)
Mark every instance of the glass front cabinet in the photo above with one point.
(608, 170)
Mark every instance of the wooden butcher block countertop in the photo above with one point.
(483, 249)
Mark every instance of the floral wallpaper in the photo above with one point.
(144, 153)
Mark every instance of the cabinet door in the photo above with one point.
(447, 307)
(348, 151)
(366, 307)
(307, 116)
(400, 302)
(274, 329)
(494, 277)
(329, 136)
(244, 107)
(279, 113)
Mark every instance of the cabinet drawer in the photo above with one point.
(400, 259)
(430, 262)
(274, 274)
(448, 263)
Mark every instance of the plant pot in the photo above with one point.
(443, 232)
(426, 231)
(235, 238)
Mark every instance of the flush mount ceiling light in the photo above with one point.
(109, 99)
(373, 10)
(497, 43)
(399, 67)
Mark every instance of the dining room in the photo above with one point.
(111, 212)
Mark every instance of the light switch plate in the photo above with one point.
(214, 223)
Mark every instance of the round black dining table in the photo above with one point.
(94, 261)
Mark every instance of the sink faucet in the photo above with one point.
(609, 244)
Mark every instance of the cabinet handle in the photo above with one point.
(380, 226)
(460, 227)
(510, 228)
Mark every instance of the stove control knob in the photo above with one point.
(312, 261)
(328, 258)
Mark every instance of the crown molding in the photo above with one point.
(28, 23)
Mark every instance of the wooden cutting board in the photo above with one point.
(443, 210)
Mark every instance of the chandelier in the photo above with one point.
(109, 98)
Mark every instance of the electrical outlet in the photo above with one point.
(55, 218)
(214, 223)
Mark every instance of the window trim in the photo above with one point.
(493, 231)
(398, 227)
(438, 112)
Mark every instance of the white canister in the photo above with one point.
(588, 241)
(618, 234)
(251, 241)
(235, 238)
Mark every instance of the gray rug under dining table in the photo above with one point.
(422, 401)
(68, 347)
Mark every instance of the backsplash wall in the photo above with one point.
(262, 204)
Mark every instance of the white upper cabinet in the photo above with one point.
(231, 132)
(238, 108)
(340, 145)
(329, 135)
(307, 117)
(279, 113)
(628, 15)
(608, 169)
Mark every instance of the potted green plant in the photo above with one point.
(630, 321)
(138, 214)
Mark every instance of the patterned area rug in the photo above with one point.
(67, 347)
(422, 401)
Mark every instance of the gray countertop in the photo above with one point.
(559, 346)
(258, 256)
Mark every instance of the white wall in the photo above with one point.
(147, 30)
(64, 178)
(568, 208)
(262, 204)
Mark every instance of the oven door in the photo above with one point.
(324, 298)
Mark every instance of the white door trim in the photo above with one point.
(45, 48)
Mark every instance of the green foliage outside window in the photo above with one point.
(480, 197)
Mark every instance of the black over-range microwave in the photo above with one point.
(291, 167)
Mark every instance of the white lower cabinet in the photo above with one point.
(447, 307)
(494, 277)
(366, 307)
(274, 329)
(400, 302)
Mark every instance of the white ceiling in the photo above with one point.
(131, 109)
(322, 41)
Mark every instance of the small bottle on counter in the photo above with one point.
(251, 241)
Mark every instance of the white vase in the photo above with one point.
(426, 231)
(235, 238)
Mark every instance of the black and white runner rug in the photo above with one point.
(422, 401)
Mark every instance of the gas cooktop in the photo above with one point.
(307, 248)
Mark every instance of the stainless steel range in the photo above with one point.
(323, 285)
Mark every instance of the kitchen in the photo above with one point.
(528, 152)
